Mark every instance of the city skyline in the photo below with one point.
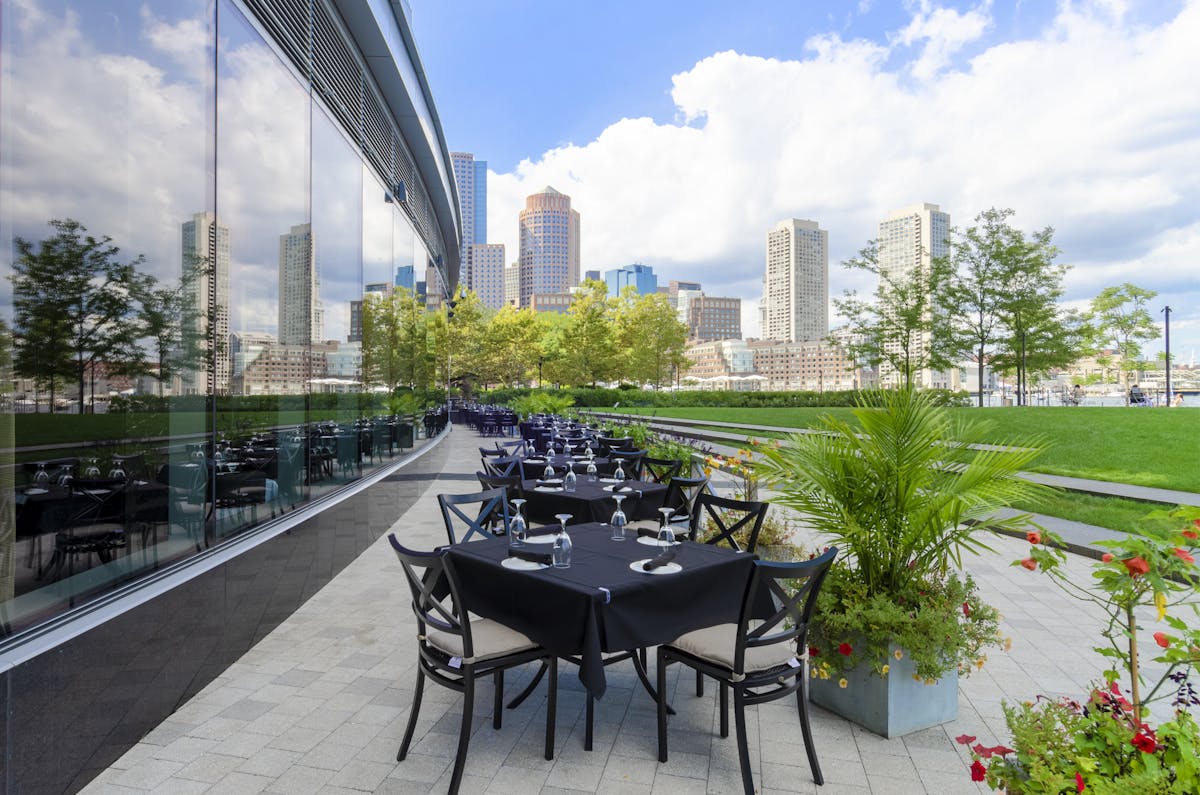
(717, 132)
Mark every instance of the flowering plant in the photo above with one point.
(1106, 743)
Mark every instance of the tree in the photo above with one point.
(466, 329)
(902, 328)
(589, 350)
(650, 337)
(1121, 317)
(74, 307)
(169, 319)
(396, 344)
(1001, 298)
(511, 347)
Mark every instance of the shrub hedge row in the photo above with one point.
(639, 398)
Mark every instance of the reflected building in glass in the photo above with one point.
(186, 221)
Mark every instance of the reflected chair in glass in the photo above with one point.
(93, 520)
(490, 514)
(133, 465)
(759, 659)
(349, 458)
(456, 648)
(660, 470)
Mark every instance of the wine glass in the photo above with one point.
(619, 472)
(65, 474)
(666, 523)
(516, 526)
(666, 534)
(93, 469)
(117, 471)
(591, 471)
(548, 473)
(41, 478)
(618, 520)
(561, 553)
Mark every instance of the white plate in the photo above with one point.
(37, 491)
(542, 539)
(550, 482)
(670, 568)
(547, 488)
(654, 542)
(535, 460)
(610, 480)
(517, 564)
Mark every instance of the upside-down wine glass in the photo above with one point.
(561, 553)
(516, 526)
(618, 520)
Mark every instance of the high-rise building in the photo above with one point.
(592, 276)
(715, 318)
(640, 276)
(487, 273)
(356, 307)
(301, 314)
(549, 255)
(404, 277)
(470, 178)
(796, 283)
(909, 239)
(512, 284)
(206, 257)
(673, 288)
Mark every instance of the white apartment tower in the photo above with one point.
(549, 255)
(795, 302)
(909, 239)
(301, 313)
(487, 273)
(206, 257)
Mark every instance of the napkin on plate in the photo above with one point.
(532, 557)
(659, 560)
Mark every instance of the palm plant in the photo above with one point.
(904, 492)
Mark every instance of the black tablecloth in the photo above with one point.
(591, 503)
(567, 612)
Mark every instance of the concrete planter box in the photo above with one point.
(893, 705)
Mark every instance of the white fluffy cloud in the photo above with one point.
(1092, 127)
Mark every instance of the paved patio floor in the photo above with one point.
(320, 705)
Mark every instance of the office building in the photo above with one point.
(675, 286)
(795, 294)
(549, 255)
(714, 318)
(470, 178)
(593, 276)
(909, 239)
(487, 273)
(206, 256)
(404, 277)
(356, 307)
(512, 284)
(301, 313)
(640, 277)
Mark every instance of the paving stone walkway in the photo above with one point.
(320, 705)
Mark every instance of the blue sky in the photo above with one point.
(684, 131)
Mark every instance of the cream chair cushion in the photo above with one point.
(716, 644)
(490, 639)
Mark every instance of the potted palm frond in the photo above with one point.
(905, 492)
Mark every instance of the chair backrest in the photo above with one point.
(505, 466)
(490, 519)
(610, 443)
(681, 495)
(104, 501)
(510, 483)
(630, 460)
(661, 470)
(492, 452)
(728, 518)
(793, 588)
(430, 574)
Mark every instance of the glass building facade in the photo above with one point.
(193, 194)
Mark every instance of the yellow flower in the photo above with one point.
(842, 683)
(897, 654)
(1160, 601)
(916, 678)
(979, 663)
(931, 681)
(1007, 644)
(884, 670)
(708, 472)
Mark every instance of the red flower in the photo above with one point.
(964, 739)
(1144, 743)
(982, 750)
(1183, 555)
(978, 771)
(1161, 639)
(1033, 537)
(1106, 557)
(845, 649)
(967, 609)
(1190, 534)
(1079, 785)
(812, 651)
(1136, 566)
(1029, 563)
(1001, 750)
(1196, 522)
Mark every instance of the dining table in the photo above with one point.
(604, 601)
(592, 501)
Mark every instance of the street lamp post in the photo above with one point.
(1167, 339)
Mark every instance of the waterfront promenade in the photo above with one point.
(321, 703)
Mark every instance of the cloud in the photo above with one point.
(1091, 127)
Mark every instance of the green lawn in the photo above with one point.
(1145, 447)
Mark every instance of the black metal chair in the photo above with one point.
(457, 648)
(510, 483)
(681, 498)
(725, 520)
(490, 519)
(505, 466)
(760, 660)
(93, 523)
(630, 460)
(661, 470)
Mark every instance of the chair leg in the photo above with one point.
(724, 710)
(412, 716)
(551, 705)
(662, 705)
(590, 718)
(529, 688)
(498, 699)
(809, 747)
(464, 732)
(739, 721)
(699, 684)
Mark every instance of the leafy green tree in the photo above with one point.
(396, 342)
(650, 337)
(589, 345)
(74, 307)
(902, 328)
(1122, 319)
(465, 331)
(168, 317)
(511, 346)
